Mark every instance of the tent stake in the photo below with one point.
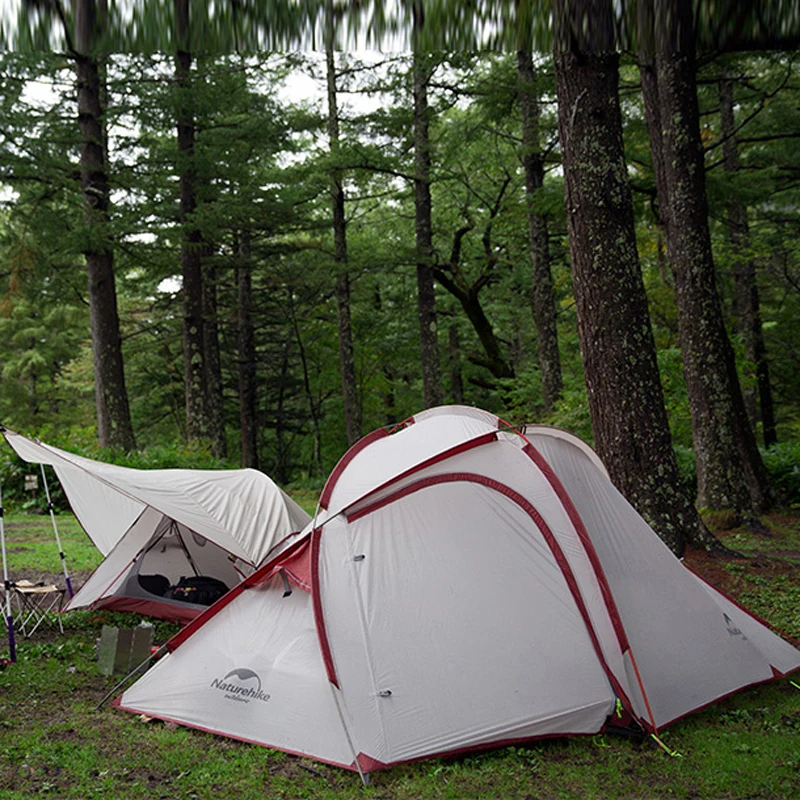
(134, 671)
(670, 753)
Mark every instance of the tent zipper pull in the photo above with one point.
(359, 557)
(287, 589)
(385, 693)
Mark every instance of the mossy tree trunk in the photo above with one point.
(347, 362)
(730, 471)
(246, 372)
(198, 424)
(454, 357)
(426, 296)
(114, 426)
(214, 387)
(746, 304)
(626, 402)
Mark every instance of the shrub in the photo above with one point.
(687, 467)
(781, 460)
(783, 464)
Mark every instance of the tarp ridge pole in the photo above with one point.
(55, 531)
(12, 644)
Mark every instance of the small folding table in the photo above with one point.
(37, 604)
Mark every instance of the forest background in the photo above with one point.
(278, 273)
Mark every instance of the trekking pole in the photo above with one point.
(12, 645)
(55, 531)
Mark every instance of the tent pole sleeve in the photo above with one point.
(12, 645)
(337, 701)
(55, 531)
(335, 690)
(644, 694)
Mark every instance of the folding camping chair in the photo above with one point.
(37, 604)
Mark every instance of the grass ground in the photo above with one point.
(54, 743)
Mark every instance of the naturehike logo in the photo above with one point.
(245, 686)
(732, 629)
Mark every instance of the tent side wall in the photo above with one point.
(108, 574)
(682, 632)
(503, 458)
(436, 633)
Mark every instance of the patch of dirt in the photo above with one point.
(714, 568)
(768, 557)
(779, 556)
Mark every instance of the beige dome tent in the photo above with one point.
(463, 586)
(155, 527)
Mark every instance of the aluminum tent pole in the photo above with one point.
(55, 531)
(12, 645)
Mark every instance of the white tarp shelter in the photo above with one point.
(463, 586)
(170, 523)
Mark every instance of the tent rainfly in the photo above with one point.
(464, 586)
(155, 527)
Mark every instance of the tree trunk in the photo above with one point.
(456, 378)
(347, 364)
(543, 301)
(469, 297)
(313, 407)
(214, 392)
(388, 393)
(426, 297)
(652, 109)
(747, 311)
(114, 425)
(197, 422)
(246, 373)
(626, 403)
(729, 467)
(281, 445)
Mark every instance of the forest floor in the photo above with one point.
(55, 742)
(767, 579)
